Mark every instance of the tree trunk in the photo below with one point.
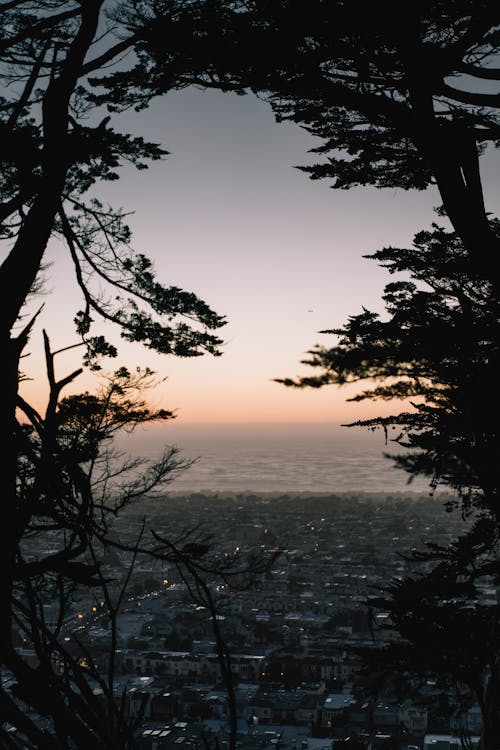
(490, 735)
(9, 531)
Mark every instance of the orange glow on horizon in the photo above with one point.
(268, 403)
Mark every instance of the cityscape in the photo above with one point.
(291, 635)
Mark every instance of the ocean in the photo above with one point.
(288, 458)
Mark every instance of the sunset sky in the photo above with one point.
(227, 216)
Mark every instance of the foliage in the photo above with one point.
(435, 349)
(71, 485)
(441, 626)
(63, 482)
(396, 101)
(56, 146)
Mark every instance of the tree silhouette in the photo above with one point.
(437, 349)
(56, 144)
(71, 485)
(440, 626)
(398, 100)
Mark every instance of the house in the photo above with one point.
(413, 718)
(165, 705)
(335, 708)
(274, 707)
(449, 742)
(470, 722)
(386, 715)
(308, 710)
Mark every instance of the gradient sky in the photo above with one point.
(227, 216)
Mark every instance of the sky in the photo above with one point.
(227, 216)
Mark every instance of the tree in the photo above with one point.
(436, 347)
(56, 143)
(71, 485)
(397, 100)
(197, 559)
(440, 627)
